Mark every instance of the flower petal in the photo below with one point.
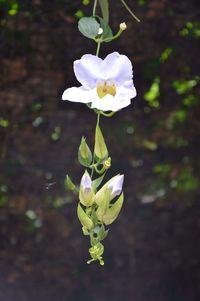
(128, 90)
(115, 103)
(116, 185)
(79, 94)
(86, 182)
(117, 67)
(88, 70)
(110, 103)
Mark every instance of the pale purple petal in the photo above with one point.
(86, 182)
(88, 70)
(116, 185)
(126, 91)
(117, 67)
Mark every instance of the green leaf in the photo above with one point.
(89, 27)
(69, 185)
(104, 5)
(85, 231)
(113, 212)
(102, 233)
(84, 218)
(98, 181)
(107, 31)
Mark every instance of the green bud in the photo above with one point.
(84, 219)
(96, 253)
(107, 163)
(113, 212)
(84, 153)
(100, 147)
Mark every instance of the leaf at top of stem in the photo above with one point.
(107, 31)
(89, 27)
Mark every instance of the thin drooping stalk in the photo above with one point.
(130, 11)
(94, 8)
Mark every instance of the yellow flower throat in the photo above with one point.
(106, 87)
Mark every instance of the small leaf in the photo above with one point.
(98, 181)
(84, 218)
(113, 212)
(100, 147)
(89, 27)
(102, 233)
(85, 231)
(107, 31)
(104, 5)
(69, 184)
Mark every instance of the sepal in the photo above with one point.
(84, 153)
(100, 148)
(84, 219)
(113, 212)
(69, 185)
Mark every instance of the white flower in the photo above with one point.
(116, 185)
(106, 84)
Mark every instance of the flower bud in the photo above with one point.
(84, 219)
(113, 212)
(123, 26)
(95, 252)
(116, 185)
(100, 31)
(109, 190)
(84, 153)
(86, 193)
(100, 147)
(107, 163)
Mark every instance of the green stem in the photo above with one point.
(98, 114)
(130, 11)
(98, 48)
(93, 157)
(94, 8)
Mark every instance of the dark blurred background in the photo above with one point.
(153, 249)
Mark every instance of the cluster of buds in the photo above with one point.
(99, 205)
(96, 210)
